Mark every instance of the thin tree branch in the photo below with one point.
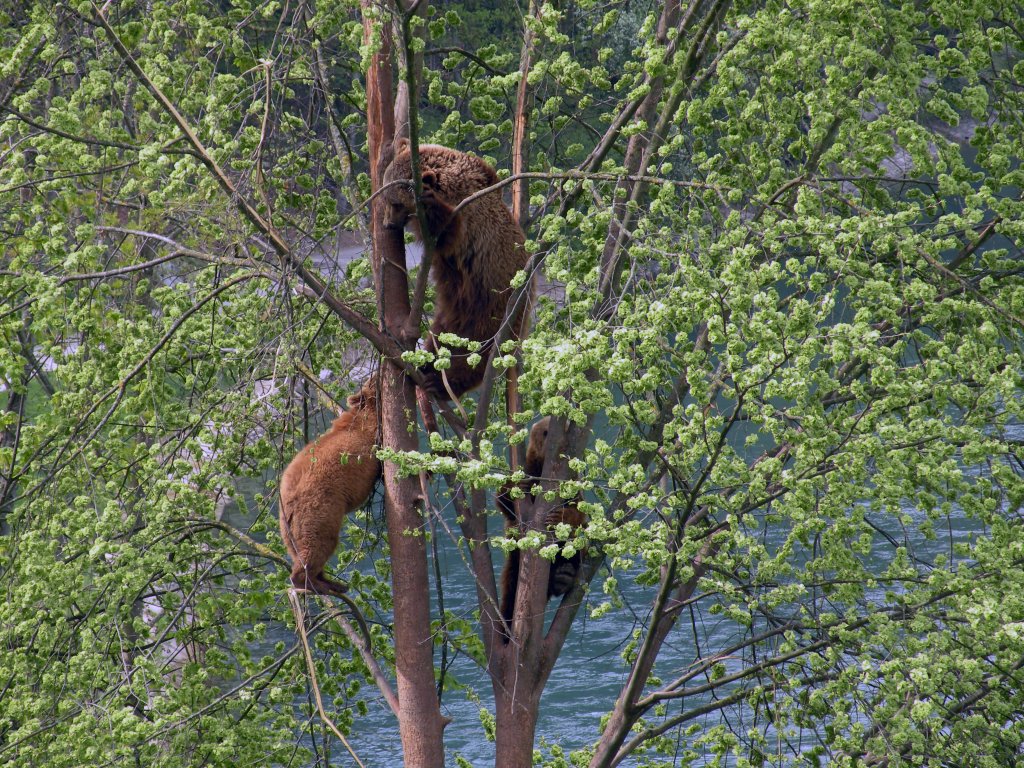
(300, 626)
(365, 327)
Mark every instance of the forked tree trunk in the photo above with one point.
(520, 667)
(516, 710)
(517, 678)
(419, 718)
(519, 670)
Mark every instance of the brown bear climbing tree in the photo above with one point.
(325, 481)
(564, 570)
(478, 251)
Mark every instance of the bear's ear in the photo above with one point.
(401, 145)
(429, 179)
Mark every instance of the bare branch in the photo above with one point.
(383, 343)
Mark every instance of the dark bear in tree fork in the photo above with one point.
(477, 252)
(324, 482)
(564, 570)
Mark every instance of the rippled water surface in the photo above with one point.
(589, 673)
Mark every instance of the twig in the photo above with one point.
(970, 288)
(467, 54)
(300, 627)
(364, 651)
(583, 176)
(119, 390)
(261, 549)
(364, 326)
(324, 396)
(430, 513)
(90, 141)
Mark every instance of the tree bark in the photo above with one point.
(516, 709)
(626, 713)
(521, 664)
(521, 126)
(519, 668)
(419, 718)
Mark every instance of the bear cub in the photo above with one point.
(477, 252)
(564, 570)
(325, 481)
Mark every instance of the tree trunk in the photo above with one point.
(519, 669)
(419, 717)
(521, 666)
(516, 706)
(521, 124)
(521, 662)
(663, 619)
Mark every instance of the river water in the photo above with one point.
(589, 673)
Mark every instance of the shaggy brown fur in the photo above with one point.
(564, 570)
(477, 251)
(324, 482)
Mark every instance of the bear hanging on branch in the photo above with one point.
(564, 570)
(326, 480)
(477, 252)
